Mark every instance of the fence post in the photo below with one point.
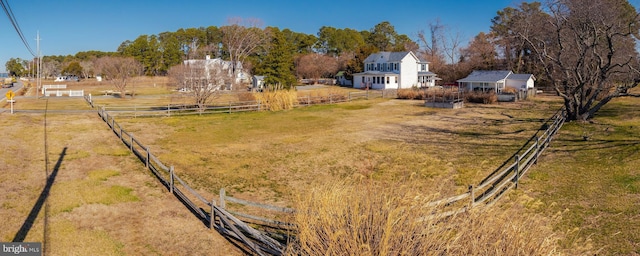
(135, 111)
(330, 99)
(259, 107)
(148, 157)
(349, 96)
(308, 100)
(515, 179)
(131, 145)
(171, 179)
(229, 107)
(212, 216)
(537, 149)
(169, 110)
(222, 196)
(472, 195)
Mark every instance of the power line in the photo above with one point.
(14, 23)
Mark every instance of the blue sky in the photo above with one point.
(67, 27)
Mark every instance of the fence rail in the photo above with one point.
(235, 107)
(507, 176)
(218, 217)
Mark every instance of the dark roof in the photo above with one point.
(521, 77)
(387, 56)
(488, 76)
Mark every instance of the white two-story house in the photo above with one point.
(209, 64)
(394, 70)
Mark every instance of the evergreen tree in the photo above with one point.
(277, 65)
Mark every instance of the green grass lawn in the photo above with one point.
(590, 179)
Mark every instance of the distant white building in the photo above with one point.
(394, 70)
(241, 75)
(258, 83)
(497, 80)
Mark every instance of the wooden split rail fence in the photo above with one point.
(216, 216)
(507, 176)
(235, 107)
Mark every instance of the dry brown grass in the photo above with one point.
(277, 100)
(102, 202)
(367, 219)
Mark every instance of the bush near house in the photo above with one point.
(509, 90)
(481, 97)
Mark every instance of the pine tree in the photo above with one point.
(277, 65)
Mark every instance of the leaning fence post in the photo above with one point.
(472, 195)
(148, 157)
(171, 179)
(222, 196)
(517, 170)
(169, 110)
(537, 149)
(212, 216)
(131, 145)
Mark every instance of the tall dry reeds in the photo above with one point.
(277, 99)
(370, 220)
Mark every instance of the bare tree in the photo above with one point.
(481, 53)
(51, 68)
(588, 52)
(87, 68)
(202, 80)
(315, 66)
(118, 71)
(241, 38)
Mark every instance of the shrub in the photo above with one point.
(482, 97)
(411, 94)
(246, 96)
(509, 90)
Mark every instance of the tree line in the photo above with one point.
(584, 51)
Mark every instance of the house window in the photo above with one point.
(387, 80)
(423, 67)
(395, 66)
(378, 66)
(363, 79)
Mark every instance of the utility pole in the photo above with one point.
(39, 64)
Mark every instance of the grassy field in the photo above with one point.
(590, 180)
(100, 200)
(271, 156)
(586, 191)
